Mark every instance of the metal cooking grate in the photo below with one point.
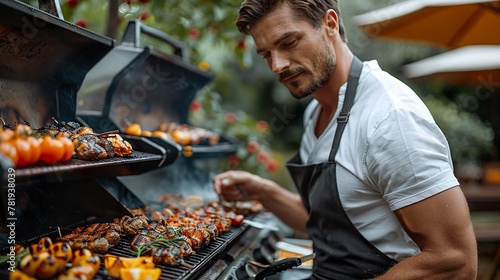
(76, 169)
(74, 165)
(200, 261)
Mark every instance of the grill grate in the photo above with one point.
(199, 262)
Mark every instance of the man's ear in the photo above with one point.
(331, 22)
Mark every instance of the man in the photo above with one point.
(377, 193)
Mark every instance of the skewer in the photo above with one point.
(107, 133)
(59, 229)
(185, 264)
(103, 134)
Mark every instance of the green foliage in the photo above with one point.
(254, 153)
(205, 26)
(469, 138)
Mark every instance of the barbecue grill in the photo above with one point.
(63, 71)
(43, 63)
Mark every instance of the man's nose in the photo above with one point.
(279, 63)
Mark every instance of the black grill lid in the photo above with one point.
(44, 60)
(133, 83)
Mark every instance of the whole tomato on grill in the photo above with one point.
(36, 148)
(23, 148)
(9, 150)
(52, 150)
(6, 134)
(237, 220)
(69, 148)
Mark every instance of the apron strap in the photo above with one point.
(352, 85)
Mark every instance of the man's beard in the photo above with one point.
(324, 61)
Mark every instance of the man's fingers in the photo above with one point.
(222, 180)
(230, 184)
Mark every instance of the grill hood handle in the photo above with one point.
(132, 37)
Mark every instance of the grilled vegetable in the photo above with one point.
(83, 272)
(137, 273)
(115, 264)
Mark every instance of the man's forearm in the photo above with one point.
(285, 205)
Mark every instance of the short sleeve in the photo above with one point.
(408, 158)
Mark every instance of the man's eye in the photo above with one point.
(289, 44)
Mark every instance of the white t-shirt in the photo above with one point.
(392, 154)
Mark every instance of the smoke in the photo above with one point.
(183, 177)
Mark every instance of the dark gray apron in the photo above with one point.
(341, 251)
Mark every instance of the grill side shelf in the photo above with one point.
(147, 156)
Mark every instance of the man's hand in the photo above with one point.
(238, 185)
(241, 185)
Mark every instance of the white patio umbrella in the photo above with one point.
(447, 23)
(468, 65)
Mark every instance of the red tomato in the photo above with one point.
(9, 150)
(262, 157)
(6, 134)
(262, 126)
(23, 151)
(237, 220)
(52, 150)
(36, 149)
(69, 148)
(230, 117)
(81, 22)
(72, 3)
(272, 165)
(252, 147)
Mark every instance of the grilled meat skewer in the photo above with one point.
(169, 251)
(95, 244)
(99, 237)
(132, 225)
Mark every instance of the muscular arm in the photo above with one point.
(441, 227)
(240, 185)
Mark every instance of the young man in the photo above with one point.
(377, 193)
